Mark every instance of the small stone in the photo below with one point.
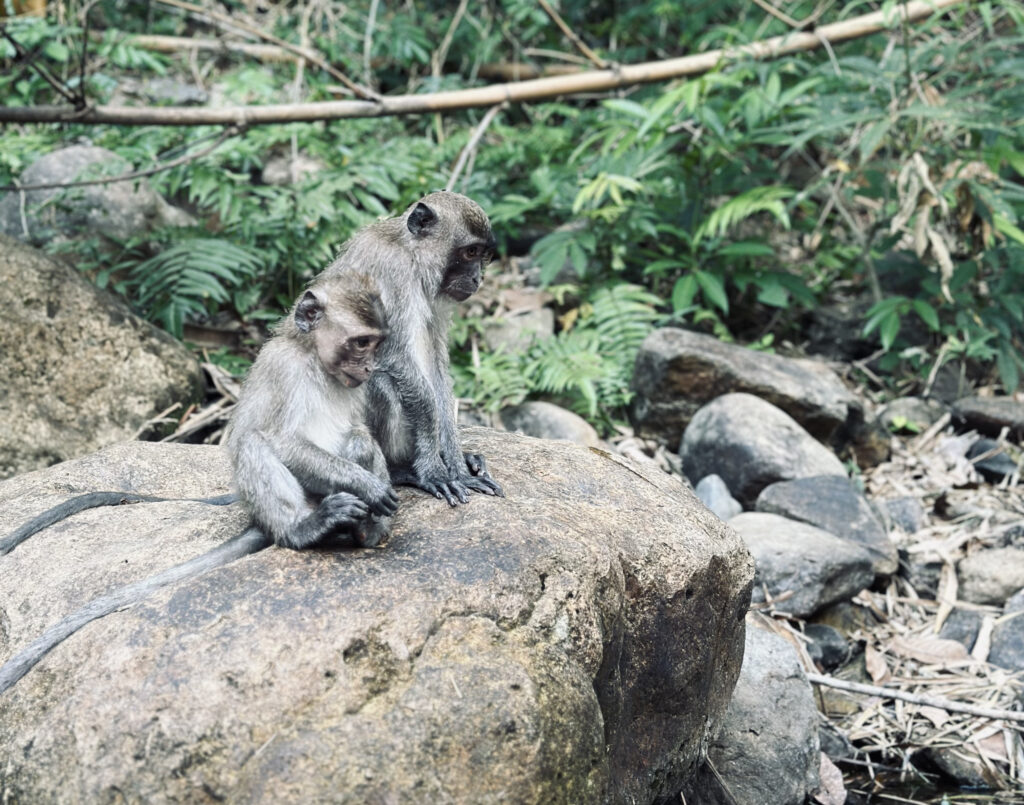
(962, 625)
(750, 443)
(991, 575)
(995, 467)
(911, 414)
(827, 647)
(714, 494)
(545, 420)
(1007, 649)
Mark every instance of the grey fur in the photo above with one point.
(423, 261)
(305, 463)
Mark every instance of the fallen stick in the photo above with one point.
(916, 698)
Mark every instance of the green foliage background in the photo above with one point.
(889, 169)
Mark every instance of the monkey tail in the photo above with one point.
(90, 501)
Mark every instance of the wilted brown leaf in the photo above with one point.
(832, 790)
(927, 649)
(874, 660)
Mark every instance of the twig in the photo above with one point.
(172, 44)
(229, 132)
(521, 92)
(799, 25)
(472, 144)
(371, 20)
(916, 698)
(312, 56)
(597, 61)
(437, 61)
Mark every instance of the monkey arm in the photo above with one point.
(325, 473)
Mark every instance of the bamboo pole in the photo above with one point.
(520, 92)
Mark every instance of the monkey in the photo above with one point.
(298, 432)
(425, 261)
(305, 463)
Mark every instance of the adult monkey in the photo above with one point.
(424, 261)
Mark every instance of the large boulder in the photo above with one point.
(750, 444)
(116, 209)
(80, 369)
(678, 371)
(569, 643)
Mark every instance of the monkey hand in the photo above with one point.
(382, 499)
(480, 479)
(435, 479)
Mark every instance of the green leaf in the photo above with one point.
(927, 314)
(683, 292)
(713, 289)
(889, 329)
(872, 137)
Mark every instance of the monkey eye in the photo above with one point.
(472, 252)
(363, 342)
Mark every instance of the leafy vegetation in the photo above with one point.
(889, 169)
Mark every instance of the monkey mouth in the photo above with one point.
(347, 380)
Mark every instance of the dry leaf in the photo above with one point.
(936, 715)
(983, 643)
(874, 660)
(832, 790)
(948, 587)
(927, 649)
(993, 747)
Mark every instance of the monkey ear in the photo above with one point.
(308, 312)
(421, 219)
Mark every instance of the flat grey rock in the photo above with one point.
(569, 643)
(989, 415)
(751, 444)
(835, 505)
(1007, 647)
(814, 567)
(678, 371)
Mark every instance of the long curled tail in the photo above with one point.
(91, 500)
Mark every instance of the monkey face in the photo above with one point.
(349, 359)
(465, 269)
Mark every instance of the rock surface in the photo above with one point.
(569, 643)
(678, 371)
(767, 749)
(835, 505)
(989, 415)
(991, 576)
(1007, 648)
(545, 420)
(516, 333)
(914, 414)
(118, 210)
(750, 443)
(80, 369)
(816, 567)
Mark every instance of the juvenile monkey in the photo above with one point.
(306, 465)
(424, 261)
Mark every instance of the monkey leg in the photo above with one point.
(335, 513)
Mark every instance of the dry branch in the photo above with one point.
(524, 91)
(916, 698)
(175, 44)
